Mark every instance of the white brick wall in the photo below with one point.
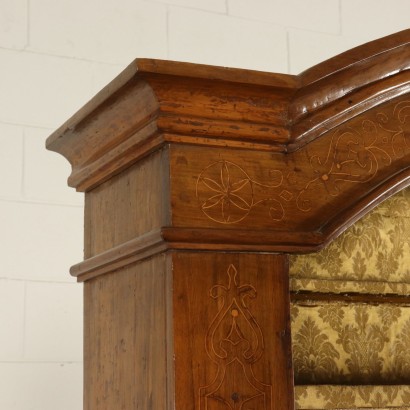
(54, 55)
(99, 30)
(316, 15)
(13, 24)
(224, 40)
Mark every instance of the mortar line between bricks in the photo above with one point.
(340, 18)
(40, 202)
(23, 164)
(66, 57)
(165, 3)
(61, 362)
(288, 50)
(28, 24)
(25, 125)
(24, 320)
(49, 281)
(168, 31)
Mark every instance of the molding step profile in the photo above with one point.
(332, 139)
(199, 181)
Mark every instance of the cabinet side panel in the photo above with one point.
(128, 205)
(125, 331)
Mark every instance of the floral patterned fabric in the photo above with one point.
(350, 343)
(352, 397)
(348, 354)
(374, 249)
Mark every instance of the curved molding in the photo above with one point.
(169, 238)
(205, 105)
(299, 158)
(120, 256)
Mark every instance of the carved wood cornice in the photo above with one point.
(207, 105)
(304, 156)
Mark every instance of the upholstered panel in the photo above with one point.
(351, 397)
(355, 353)
(375, 249)
(351, 343)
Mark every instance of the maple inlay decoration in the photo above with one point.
(227, 192)
(203, 185)
(234, 341)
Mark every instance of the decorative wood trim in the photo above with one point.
(321, 189)
(251, 165)
(215, 106)
(241, 240)
(156, 242)
(332, 229)
(235, 352)
(120, 256)
(233, 75)
(349, 297)
(320, 121)
(232, 240)
(353, 56)
(136, 147)
(362, 73)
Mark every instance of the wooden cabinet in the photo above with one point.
(199, 181)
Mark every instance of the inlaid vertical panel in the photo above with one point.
(231, 332)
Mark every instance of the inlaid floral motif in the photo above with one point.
(229, 190)
(352, 157)
(226, 193)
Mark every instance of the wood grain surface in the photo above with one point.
(195, 178)
(127, 339)
(231, 329)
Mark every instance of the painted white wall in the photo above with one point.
(54, 56)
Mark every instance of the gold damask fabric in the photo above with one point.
(374, 249)
(348, 354)
(350, 343)
(352, 397)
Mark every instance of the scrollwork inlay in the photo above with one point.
(226, 192)
(234, 342)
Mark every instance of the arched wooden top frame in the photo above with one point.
(254, 161)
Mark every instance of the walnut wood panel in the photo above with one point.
(194, 176)
(128, 205)
(153, 102)
(128, 340)
(231, 326)
(305, 191)
(315, 152)
(218, 332)
(205, 107)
